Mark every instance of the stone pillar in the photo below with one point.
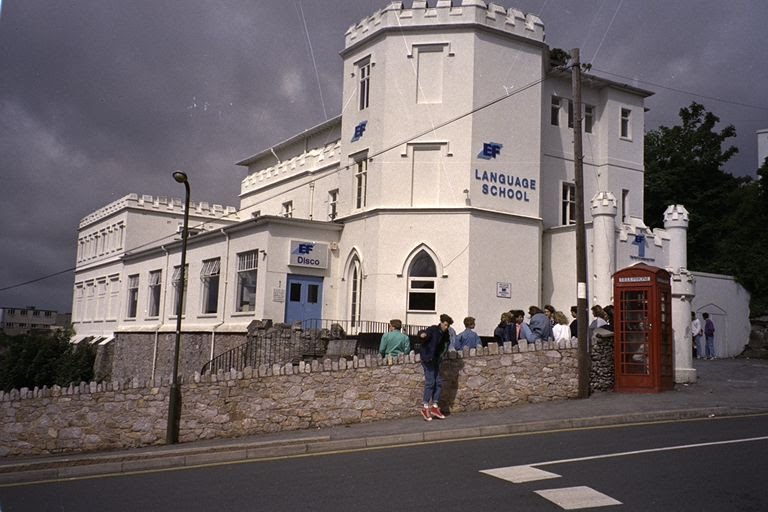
(603, 208)
(683, 290)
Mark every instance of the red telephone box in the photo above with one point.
(644, 354)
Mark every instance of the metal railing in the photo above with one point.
(306, 344)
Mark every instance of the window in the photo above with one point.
(113, 309)
(555, 112)
(361, 181)
(570, 113)
(133, 295)
(589, 118)
(624, 204)
(422, 276)
(625, 133)
(287, 209)
(155, 280)
(355, 289)
(209, 275)
(333, 198)
(247, 263)
(364, 84)
(568, 213)
(178, 295)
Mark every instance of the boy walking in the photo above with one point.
(435, 340)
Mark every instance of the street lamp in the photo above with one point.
(174, 398)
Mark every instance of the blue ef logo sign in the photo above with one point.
(359, 130)
(640, 243)
(304, 249)
(490, 150)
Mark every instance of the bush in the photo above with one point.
(44, 359)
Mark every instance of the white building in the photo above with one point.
(447, 185)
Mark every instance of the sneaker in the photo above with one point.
(435, 412)
(425, 414)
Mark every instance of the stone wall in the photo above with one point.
(602, 374)
(275, 398)
(146, 356)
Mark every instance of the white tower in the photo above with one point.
(603, 208)
(762, 146)
(683, 290)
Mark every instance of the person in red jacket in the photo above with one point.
(434, 344)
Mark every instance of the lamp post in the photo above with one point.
(174, 398)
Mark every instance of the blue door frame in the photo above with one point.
(304, 298)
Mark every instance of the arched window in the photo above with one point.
(422, 276)
(355, 280)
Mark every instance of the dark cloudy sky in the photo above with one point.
(101, 98)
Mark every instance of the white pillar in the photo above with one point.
(683, 290)
(603, 208)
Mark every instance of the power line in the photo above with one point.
(683, 91)
(38, 279)
(389, 148)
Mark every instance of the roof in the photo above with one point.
(600, 82)
(287, 142)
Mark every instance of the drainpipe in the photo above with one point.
(161, 311)
(224, 302)
(311, 198)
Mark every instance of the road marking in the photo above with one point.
(573, 498)
(650, 450)
(520, 474)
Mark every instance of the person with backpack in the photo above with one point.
(434, 344)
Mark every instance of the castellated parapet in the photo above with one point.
(447, 12)
(160, 204)
(634, 226)
(313, 160)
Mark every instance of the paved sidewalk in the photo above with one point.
(725, 388)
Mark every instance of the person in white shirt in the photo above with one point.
(696, 334)
(561, 331)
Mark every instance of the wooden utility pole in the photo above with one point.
(581, 235)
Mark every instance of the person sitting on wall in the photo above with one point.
(505, 330)
(394, 342)
(549, 311)
(540, 326)
(561, 331)
(434, 342)
(574, 322)
(600, 321)
(608, 310)
(520, 326)
(467, 338)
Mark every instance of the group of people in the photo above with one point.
(705, 350)
(545, 324)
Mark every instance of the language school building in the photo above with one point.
(446, 185)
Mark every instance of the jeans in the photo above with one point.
(433, 384)
(699, 346)
(710, 346)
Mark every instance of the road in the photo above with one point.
(716, 464)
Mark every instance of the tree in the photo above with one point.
(726, 234)
(43, 359)
(684, 165)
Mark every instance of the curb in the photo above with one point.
(106, 464)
